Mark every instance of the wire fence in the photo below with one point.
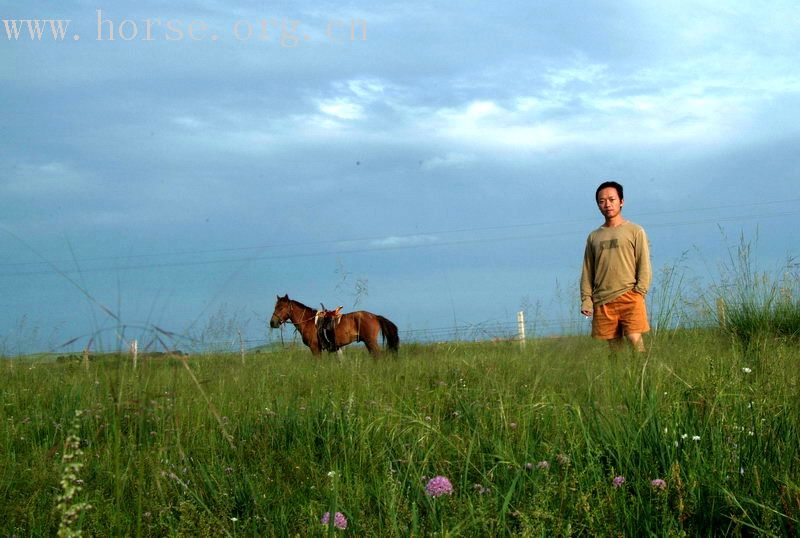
(157, 340)
(153, 338)
(235, 337)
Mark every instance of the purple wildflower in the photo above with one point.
(618, 481)
(658, 483)
(339, 521)
(439, 485)
(529, 466)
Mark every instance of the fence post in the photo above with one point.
(521, 328)
(721, 311)
(135, 352)
(241, 344)
(86, 357)
(786, 294)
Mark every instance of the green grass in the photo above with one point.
(756, 306)
(266, 447)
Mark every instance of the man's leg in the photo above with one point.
(616, 345)
(633, 319)
(637, 342)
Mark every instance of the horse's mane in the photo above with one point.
(299, 304)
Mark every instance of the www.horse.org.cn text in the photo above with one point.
(282, 31)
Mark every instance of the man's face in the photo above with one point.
(608, 202)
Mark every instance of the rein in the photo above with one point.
(299, 322)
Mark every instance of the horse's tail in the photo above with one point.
(389, 331)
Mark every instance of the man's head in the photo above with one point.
(609, 185)
(609, 200)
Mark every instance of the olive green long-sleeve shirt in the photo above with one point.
(616, 261)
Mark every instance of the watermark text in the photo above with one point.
(285, 32)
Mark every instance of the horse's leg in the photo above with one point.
(369, 331)
(313, 345)
(373, 346)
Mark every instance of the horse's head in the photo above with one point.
(283, 311)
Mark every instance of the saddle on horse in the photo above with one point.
(326, 322)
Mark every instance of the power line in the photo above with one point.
(381, 237)
(713, 220)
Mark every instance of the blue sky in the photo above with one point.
(438, 168)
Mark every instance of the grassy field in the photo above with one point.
(533, 442)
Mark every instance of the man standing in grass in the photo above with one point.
(616, 274)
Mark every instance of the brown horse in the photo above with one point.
(360, 326)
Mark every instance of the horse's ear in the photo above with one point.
(286, 296)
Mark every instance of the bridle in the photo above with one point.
(282, 321)
(289, 316)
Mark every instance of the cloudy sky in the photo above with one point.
(180, 166)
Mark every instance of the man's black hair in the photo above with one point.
(606, 185)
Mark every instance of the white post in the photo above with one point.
(721, 311)
(135, 352)
(521, 328)
(241, 345)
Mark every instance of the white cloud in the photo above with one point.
(708, 100)
(386, 13)
(588, 74)
(341, 108)
(49, 178)
(351, 98)
(733, 26)
(404, 241)
(366, 89)
(702, 101)
(450, 160)
(189, 122)
(487, 124)
(478, 110)
(527, 104)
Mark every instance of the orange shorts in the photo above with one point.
(624, 315)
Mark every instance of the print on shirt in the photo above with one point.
(611, 243)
